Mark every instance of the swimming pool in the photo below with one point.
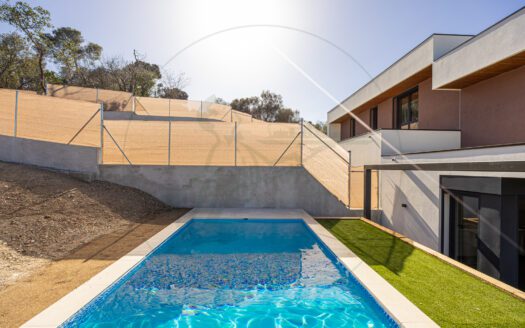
(236, 273)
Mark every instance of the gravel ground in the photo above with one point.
(44, 216)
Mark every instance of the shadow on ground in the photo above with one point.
(373, 246)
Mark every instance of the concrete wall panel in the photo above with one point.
(49, 155)
(229, 187)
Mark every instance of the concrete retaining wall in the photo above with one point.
(57, 156)
(229, 187)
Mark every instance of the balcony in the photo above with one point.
(369, 148)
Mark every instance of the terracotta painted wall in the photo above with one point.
(384, 114)
(365, 117)
(493, 111)
(438, 109)
(345, 129)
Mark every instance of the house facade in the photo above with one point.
(444, 127)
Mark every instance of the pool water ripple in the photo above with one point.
(231, 273)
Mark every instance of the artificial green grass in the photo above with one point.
(451, 297)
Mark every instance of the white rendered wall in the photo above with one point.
(420, 190)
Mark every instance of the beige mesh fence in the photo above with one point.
(241, 117)
(49, 119)
(142, 142)
(123, 101)
(357, 185)
(7, 112)
(112, 100)
(201, 143)
(328, 165)
(167, 107)
(268, 144)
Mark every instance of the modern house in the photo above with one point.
(445, 128)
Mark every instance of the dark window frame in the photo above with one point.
(352, 128)
(400, 125)
(373, 118)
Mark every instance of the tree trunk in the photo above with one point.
(42, 73)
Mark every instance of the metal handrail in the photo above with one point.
(327, 145)
(288, 147)
(83, 126)
(116, 143)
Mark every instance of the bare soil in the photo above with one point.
(45, 215)
(33, 293)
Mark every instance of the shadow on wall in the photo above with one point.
(372, 245)
(407, 220)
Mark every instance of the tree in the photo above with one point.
(18, 65)
(321, 126)
(267, 107)
(172, 86)
(221, 101)
(172, 93)
(72, 55)
(32, 22)
(245, 105)
(287, 115)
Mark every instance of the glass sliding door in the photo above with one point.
(465, 223)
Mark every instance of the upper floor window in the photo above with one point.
(373, 118)
(407, 110)
(352, 127)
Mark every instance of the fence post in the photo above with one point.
(231, 115)
(169, 142)
(302, 139)
(16, 114)
(235, 142)
(96, 100)
(101, 133)
(169, 107)
(201, 108)
(133, 105)
(349, 176)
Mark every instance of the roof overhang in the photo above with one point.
(411, 69)
(498, 49)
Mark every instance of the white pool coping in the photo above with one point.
(404, 312)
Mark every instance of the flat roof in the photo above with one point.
(417, 61)
(478, 58)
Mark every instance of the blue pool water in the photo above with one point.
(236, 273)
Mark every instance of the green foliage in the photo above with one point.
(267, 107)
(18, 65)
(321, 126)
(245, 105)
(172, 93)
(73, 57)
(32, 23)
(448, 295)
(23, 58)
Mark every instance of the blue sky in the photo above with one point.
(245, 61)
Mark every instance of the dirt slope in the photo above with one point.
(44, 216)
